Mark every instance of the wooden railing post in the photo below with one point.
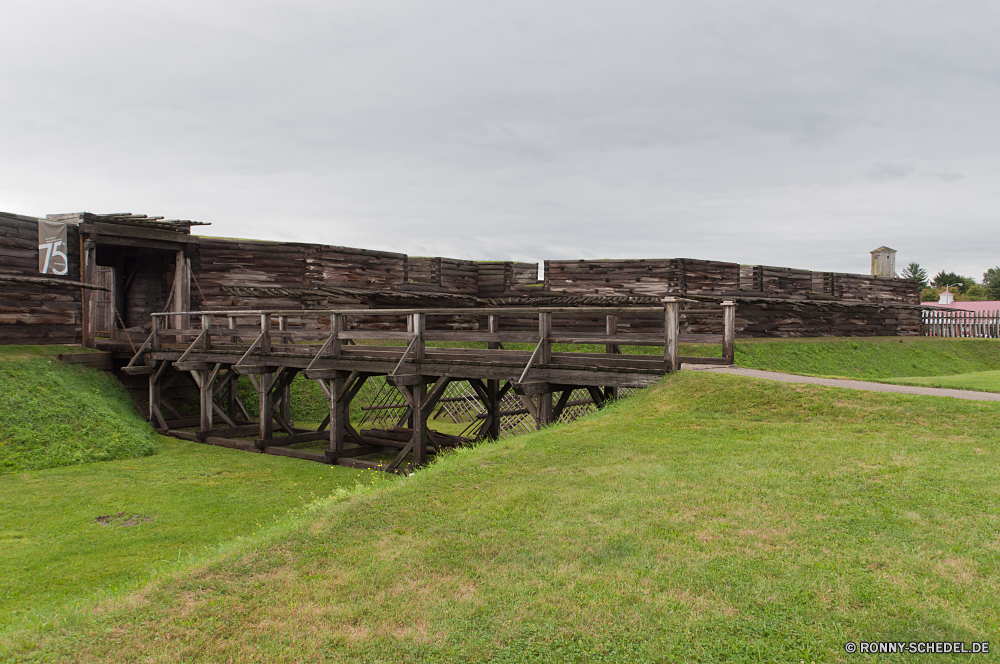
(155, 343)
(611, 329)
(206, 324)
(671, 333)
(494, 328)
(418, 323)
(729, 331)
(265, 330)
(336, 327)
(544, 358)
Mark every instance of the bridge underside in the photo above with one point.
(224, 419)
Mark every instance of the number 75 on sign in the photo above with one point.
(54, 257)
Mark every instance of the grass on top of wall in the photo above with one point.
(54, 414)
(870, 358)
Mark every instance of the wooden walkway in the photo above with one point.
(331, 347)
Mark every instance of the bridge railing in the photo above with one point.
(325, 333)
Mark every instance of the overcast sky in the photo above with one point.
(783, 133)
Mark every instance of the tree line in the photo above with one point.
(964, 288)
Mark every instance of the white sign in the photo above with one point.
(52, 258)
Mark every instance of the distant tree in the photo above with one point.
(930, 294)
(956, 282)
(991, 282)
(914, 271)
(973, 293)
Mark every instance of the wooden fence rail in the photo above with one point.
(957, 323)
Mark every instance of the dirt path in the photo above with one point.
(849, 384)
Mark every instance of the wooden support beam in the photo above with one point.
(596, 396)
(671, 332)
(339, 417)
(493, 396)
(563, 400)
(205, 380)
(419, 394)
(266, 404)
(394, 464)
(155, 416)
(434, 395)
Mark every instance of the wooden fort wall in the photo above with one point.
(36, 313)
(252, 274)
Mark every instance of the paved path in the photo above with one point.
(849, 384)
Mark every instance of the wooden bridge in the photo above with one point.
(343, 348)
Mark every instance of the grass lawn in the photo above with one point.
(711, 518)
(981, 381)
(70, 534)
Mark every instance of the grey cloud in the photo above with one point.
(774, 132)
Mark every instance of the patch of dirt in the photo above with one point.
(123, 519)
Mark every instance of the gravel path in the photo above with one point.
(849, 384)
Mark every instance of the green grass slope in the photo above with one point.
(710, 519)
(872, 358)
(67, 534)
(53, 414)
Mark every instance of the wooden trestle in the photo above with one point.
(327, 347)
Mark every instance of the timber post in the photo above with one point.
(729, 331)
(419, 392)
(339, 415)
(206, 394)
(182, 292)
(264, 381)
(611, 329)
(671, 333)
(418, 417)
(544, 358)
(493, 385)
(88, 305)
(286, 392)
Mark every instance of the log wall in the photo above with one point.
(653, 277)
(35, 313)
(773, 301)
(507, 278)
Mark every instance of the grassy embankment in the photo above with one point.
(53, 414)
(82, 529)
(968, 364)
(711, 518)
